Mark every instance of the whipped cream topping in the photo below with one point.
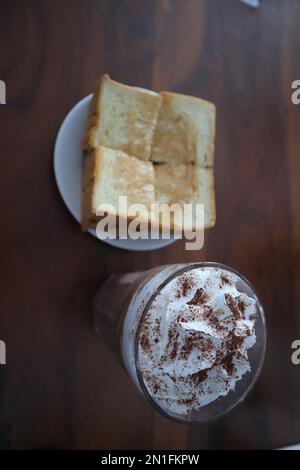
(194, 339)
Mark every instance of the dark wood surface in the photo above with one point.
(61, 387)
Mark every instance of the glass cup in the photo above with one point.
(120, 307)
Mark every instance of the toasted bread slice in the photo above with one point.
(122, 118)
(174, 183)
(185, 131)
(109, 174)
(185, 184)
(205, 194)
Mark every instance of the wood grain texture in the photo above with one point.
(61, 387)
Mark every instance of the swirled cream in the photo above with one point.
(194, 339)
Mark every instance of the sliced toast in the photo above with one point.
(185, 131)
(186, 184)
(109, 174)
(123, 118)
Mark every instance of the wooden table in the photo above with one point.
(61, 386)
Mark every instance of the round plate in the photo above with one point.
(68, 165)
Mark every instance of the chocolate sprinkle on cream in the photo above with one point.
(199, 298)
(234, 305)
(194, 340)
(185, 286)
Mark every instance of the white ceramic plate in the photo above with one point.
(68, 164)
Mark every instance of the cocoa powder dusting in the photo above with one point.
(241, 306)
(154, 384)
(173, 353)
(209, 316)
(186, 401)
(234, 307)
(186, 284)
(224, 281)
(219, 357)
(187, 348)
(233, 342)
(198, 377)
(227, 364)
(157, 325)
(200, 298)
(144, 342)
(156, 387)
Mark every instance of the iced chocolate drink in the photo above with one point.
(192, 337)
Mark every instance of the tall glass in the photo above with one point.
(120, 307)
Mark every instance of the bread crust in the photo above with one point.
(93, 120)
